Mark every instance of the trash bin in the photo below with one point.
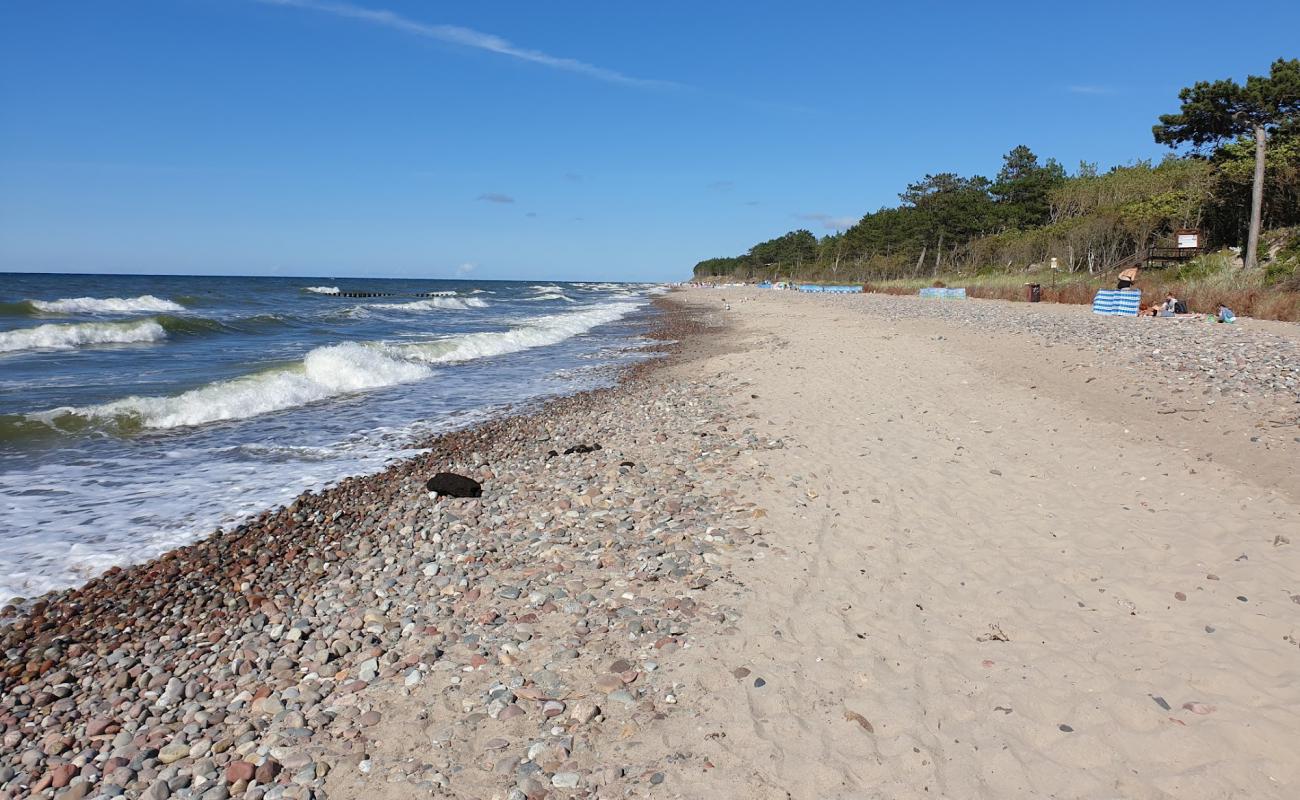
(1033, 292)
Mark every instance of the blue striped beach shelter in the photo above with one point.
(1117, 302)
(944, 294)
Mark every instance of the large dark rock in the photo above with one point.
(449, 484)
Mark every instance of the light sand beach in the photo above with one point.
(835, 547)
(478, 401)
(989, 577)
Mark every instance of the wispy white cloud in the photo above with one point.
(466, 268)
(495, 197)
(829, 222)
(468, 37)
(1089, 89)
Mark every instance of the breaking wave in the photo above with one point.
(321, 289)
(432, 304)
(103, 305)
(552, 296)
(83, 334)
(324, 372)
(70, 336)
(538, 332)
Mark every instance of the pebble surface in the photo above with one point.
(251, 664)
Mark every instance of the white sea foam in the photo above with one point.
(432, 304)
(336, 370)
(82, 334)
(537, 332)
(325, 372)
(82, 517)
(322, 289)
(546, 287)
(106, 305)
(552, 296)
(119, 502)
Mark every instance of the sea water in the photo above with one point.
(139, 413)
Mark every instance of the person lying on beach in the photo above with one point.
(1170, 307)
(1154, 310)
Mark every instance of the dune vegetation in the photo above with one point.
(993, 235)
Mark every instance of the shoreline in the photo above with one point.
(446, 445)
(198, 601)
(443, 442)
(117, 451)
(830, 548)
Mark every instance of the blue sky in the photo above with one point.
(563, 140)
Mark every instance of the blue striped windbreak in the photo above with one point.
(944, 294)
(817, 288)
(1117, 302)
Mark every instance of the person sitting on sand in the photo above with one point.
(1170, 306)
(1225, 314)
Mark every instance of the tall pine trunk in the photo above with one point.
(1256, 198)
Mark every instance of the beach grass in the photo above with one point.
(1266, 293)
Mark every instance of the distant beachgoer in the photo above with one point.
(1127, 278)
(1170, 306)
(1225, 314)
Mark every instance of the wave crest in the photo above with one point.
(538, 332)
(105, 305)
(325, 372)
(321, 289)
(83, 334)
(432, 304)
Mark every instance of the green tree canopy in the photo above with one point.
(1033, 211)
(1215, 112)
(1023, 187)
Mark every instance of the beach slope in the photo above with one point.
(999, 565)
(833, 547)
